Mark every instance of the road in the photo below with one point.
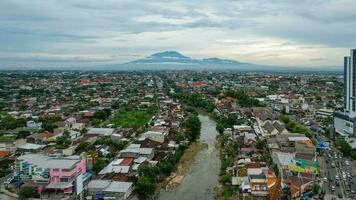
(341, 177)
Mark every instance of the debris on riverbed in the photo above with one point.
(182, 167)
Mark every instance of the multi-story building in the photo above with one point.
(344, 122)
(52, 173)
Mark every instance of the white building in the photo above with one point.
(344, 122)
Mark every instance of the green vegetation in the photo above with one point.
(95, 122)
(284, 119)
(261, 144)
(343, 146)
(149, 177)
(229, 151)
(48, 123)
(7, 138)
(193, 127)
(132, 118)
(23, 134)
(106, 140)
(294, 127)
(63, 142)
(197, 101)
(194, 100)
(243, 100)
(228, 122)
(27, 192)
(83, 147)
(7, 122)
(101, 115)
(99, 164)
(353, 154)
(3, 105)
(5, 167)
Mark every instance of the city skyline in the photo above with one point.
(80, 33)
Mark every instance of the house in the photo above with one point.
(51, 173)
(4, 155)
(120, 165)
(70, 121)
(280, 127)
(269, 129)
(33, 125)
(262, 181)
(94, 132)
(242, 128)
(10, 143)
(249, 138)
(299, 185)
(135, 151)
(305, 147)
(282, 160)
(108, 189)
(78, 126)
(157, 136)
(29, 147)
(39, 138)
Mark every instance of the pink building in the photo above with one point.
(52, 173)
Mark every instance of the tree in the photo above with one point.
(287, 193)
(265, 157)
(179, 137)
(343, 146)
(23, 134)
(353, 155)
(316, 188)
(115, 105)
(145, 187)
(225, 179)
(220, 128)
(193, 126)
(260, 144)
(95, 122)
(83, 147)
(63, 142)
(284, 118)
(84, 130)
(27, 192)
(102, 114)
(99, 164)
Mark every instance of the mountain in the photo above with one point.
(175, 58)
(172, 60)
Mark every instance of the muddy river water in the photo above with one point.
(202, 176)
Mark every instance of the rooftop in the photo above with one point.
(47, 162)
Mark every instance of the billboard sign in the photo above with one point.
(322, 145)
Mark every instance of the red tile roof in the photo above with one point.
(4, 154)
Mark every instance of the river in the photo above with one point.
(203, 174)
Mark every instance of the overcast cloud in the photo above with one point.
(273, 32)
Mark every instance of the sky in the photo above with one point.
(89, 32)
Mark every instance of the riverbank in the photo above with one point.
(197, 176)
(187, 159)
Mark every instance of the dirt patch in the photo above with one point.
(177, 176)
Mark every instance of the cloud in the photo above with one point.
(279, 32)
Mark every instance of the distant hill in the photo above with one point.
(175, 58)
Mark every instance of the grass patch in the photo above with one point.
(132, 118)
(7, 138)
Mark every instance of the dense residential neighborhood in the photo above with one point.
(125, 135)
(177, 100)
